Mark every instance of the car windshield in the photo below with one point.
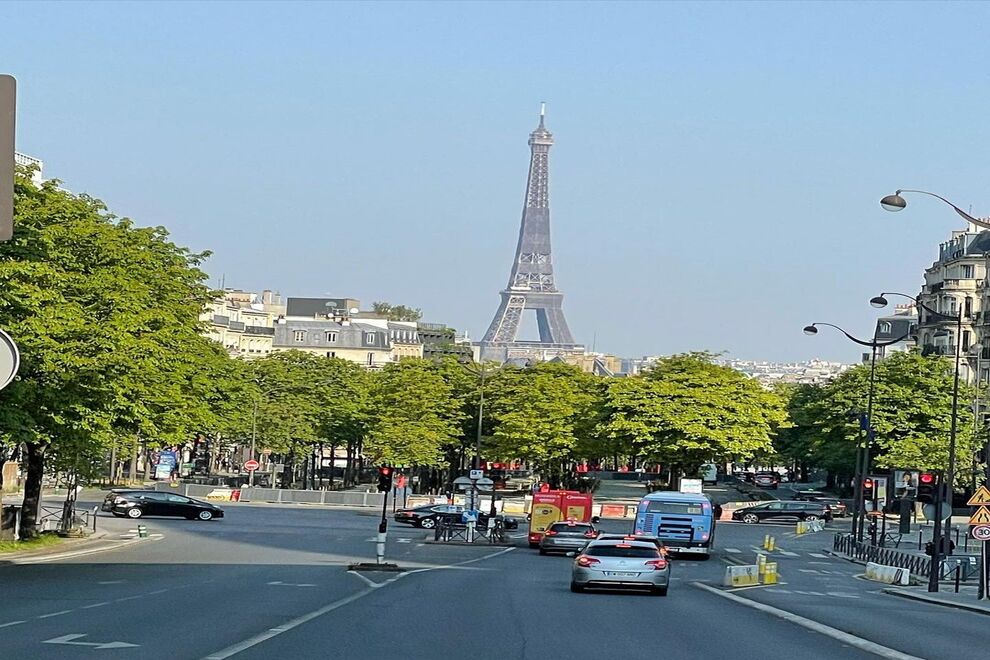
(564, 528)
(621, 551)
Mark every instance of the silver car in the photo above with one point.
(621, 564)
(567, 536)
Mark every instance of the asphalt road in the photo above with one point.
(271, 582)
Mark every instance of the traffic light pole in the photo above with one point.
(383, 473)
(934, 573)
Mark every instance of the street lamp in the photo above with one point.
(863, 452)
(482, 371)
(896, 202)
(947, 486)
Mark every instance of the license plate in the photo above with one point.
(619, 574)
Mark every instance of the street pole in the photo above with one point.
(481, 412)
(254, 433)
(869, 435)
(382, 529)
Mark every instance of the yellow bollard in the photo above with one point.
(770, 548)
(800, 528)
(766, 541)
(761, 563)
(770, 573)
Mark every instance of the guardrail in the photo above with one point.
(849, 546)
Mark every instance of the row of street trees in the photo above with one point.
(113, 358)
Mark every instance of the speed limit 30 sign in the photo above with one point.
(981, 532)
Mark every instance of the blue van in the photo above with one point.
(685, 522)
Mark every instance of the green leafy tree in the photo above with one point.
(912, 412)
(687, 410)
(413, 415)
(397, 312)
(100, 309)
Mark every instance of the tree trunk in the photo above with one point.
(132, 472)
(32, 489)
(113, 464)
(333, 463)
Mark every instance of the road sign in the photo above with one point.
(8, 107)
(980, 498)
(484, 484)
(981, 532)
(981, 517)
(251, 465)
(477, 474)
(10, 359)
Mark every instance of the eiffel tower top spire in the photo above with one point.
(541, 135)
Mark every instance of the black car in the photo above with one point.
(428, 515)
(138, 503)
(783, 511)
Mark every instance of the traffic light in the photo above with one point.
(867, 490)
(384, 479)
(926, 487)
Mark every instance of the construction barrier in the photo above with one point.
(887, 574)
(220, 494)
(761, 563)
(770, 573)
(804, 527)
(741, 576)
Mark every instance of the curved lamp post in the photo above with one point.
(896, 203)
(862, 452)
(947, 487)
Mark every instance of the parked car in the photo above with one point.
(766, 479)
(567, 536)
(838, 507)
(621, 564)
(783, 511)
(810, 495)
(138, 503)
(428, 515)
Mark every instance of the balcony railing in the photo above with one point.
(938, 349)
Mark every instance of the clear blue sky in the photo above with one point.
(714, 183)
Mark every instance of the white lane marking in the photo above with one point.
(48, 616)
(291, 584)
(110, 582)
(404, 540)
(839, 594)
(68, 639)
(295, 623)
(828, 631)
(10, 623)
(809, 570)
(89, 607)
(734, 551)
(817, 555)
(788, 553)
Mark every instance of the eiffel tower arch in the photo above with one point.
(531, 281)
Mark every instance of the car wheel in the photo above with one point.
(576, 588)
(134, 512)
(811, 518)
(750, 518)
(427, 523)
(660, 591)
(205, 514)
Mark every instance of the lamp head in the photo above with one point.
(810, 329)
(878, 301)
(893, 202)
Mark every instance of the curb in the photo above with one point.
(900, 593)
(16, 559)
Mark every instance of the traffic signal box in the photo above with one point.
(927, 484)
(385, 479)
(869, 490)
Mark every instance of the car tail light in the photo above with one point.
(587, 561)
(550, 532)
(657, 564)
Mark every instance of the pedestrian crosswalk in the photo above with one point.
(821, 594)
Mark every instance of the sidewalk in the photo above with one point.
(964, 600)
(69, 547)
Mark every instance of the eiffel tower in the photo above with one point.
(531, 283)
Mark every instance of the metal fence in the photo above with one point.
(849, 546)
(275, 495)
(450, 530)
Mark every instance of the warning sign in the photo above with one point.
(981, 517)
(980, 498)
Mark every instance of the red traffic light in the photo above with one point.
(544, 488)
(927, 478)
(868, 483)
(384, 471)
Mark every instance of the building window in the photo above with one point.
(299, 335)
(369, 338)
(885, 327)
(965, 340)
(968, 307)
(967, 272)
(331, 354)
(331, 336)
(371, 358)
